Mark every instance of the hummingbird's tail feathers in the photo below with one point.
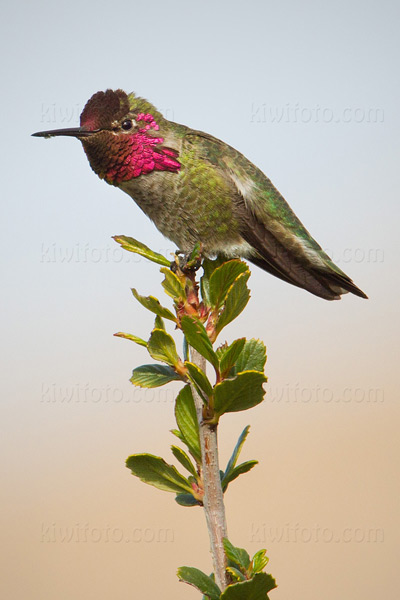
(341, 282)
(310, 282)
(327, 285)
(273, 257)
(322, 280)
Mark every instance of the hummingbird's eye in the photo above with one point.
(127, 124)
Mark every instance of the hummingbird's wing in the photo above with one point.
(282, 245)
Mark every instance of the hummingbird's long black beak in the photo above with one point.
(77, 132)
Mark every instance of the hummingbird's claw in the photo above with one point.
(187, 262)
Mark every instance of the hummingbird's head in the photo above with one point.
(104, 109)
(118, 134)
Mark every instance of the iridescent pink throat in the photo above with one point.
(140, 154)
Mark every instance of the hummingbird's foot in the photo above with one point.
(187, 262)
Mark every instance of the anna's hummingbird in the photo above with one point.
(196, 188)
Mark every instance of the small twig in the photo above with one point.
(213, 501)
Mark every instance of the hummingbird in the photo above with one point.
(198, 189)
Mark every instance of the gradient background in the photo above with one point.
(308, 92)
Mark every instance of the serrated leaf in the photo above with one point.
(172, 285)
(133, 338)
(155, 471)
(259, 561)
(256, 588)
(239, 470)
(230, 355)
(210, 264)
(236, 574)
(222, 348)
(252, 357)
(133, 245)
(187, 500)
(199, 580)
(159, 323)
(236, 300)
(240, 393)
(197, 337)
(161, 346)
(154, 306)
(186, 418)
(239, 556)
(199, 377)
(184, 460)
(151, 376)
(222, 279)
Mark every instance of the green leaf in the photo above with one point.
(155, 471)
(185, 349)
(236, 574)
(236, 300)
(231, 472)
(133, 338)
(240, 393)
(256, 588)
(186, 418)
(151, 376)
(252, 357)
(209, 267)
(205, 282)
(230, 355)
(198, 377)
(197, 337)
(187, 500)
(237, 449)
(222, 278)
(178, 434)
(205, 289)
(153, 305)
(199, 580)
(192, 260)
(161, 346)
(159, 323)
(133, 245)
(238, 556)
(239, 470)
(184, 460)
(172, 285)
(259, 561)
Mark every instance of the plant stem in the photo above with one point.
(213, 501)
